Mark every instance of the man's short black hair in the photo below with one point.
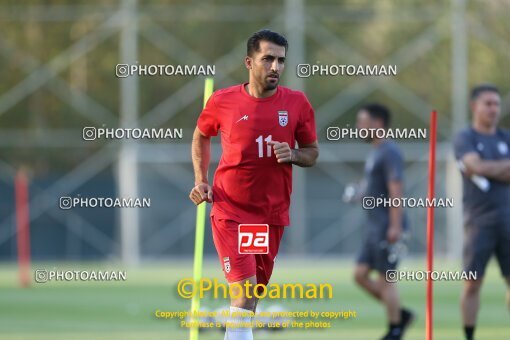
(378, 111)
(253, 44)
(479, 89)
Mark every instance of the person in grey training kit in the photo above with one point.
(482, 152)
(385, 225)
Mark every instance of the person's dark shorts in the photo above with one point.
(375, 251)
(481, 242)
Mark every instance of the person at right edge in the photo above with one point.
(482, 153)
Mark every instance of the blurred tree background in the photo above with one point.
(58, 62)
(35, 33)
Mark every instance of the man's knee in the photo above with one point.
(241, 298)
(244, 302)
(472, 287)
(361, 274)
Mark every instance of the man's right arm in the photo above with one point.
(497, 170)
(201, 155)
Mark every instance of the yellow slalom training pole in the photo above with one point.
(199, 237)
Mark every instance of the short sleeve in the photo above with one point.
(208, 121)
(305, 131)
(393, 165)
(463, 144)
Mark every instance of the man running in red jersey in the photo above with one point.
(260, 123)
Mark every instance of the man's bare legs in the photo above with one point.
(399, 319)
(380, 289)
(470, 304)
(243, 301)
(470, 301)
(244, 309)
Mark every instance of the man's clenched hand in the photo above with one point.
(282, 151)
(200, 193)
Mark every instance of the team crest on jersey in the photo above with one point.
(226, 264)
(283, 118)
(503, 148)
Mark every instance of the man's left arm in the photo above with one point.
(396, 214)
(304, 157)
(394, 174)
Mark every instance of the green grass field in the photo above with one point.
(125, 310)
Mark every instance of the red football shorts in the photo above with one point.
(237, 267)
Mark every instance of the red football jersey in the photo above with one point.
(249, 185)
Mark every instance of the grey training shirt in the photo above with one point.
(384, 164)
(492, 206)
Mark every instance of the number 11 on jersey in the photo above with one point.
(260, 143)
